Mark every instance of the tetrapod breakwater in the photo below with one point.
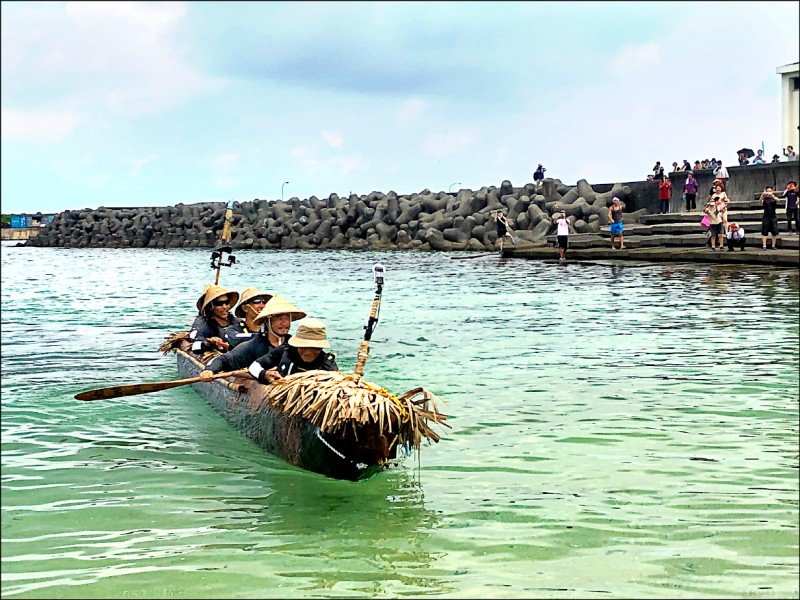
(421, 221)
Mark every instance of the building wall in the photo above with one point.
(19, 233)
(790, 105)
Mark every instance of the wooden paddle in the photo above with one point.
(135, 389)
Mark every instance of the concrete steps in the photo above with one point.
(689, 240)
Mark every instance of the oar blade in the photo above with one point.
(119, 391)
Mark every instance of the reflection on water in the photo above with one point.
(624, 430)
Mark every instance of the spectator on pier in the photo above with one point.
(616, 228)
(214, 324)
(538, 175)
(776, 158)
(792, 210)
(715, 221)
(658, 171)
(698, 166)
(686, 166)
(743, 159)
(690, 190)
(721, 173)
(789, 153)
(720, 198)
(675, 167)
(664, 194)
(563, 235)
(735, 237)
(712, 164)
(758, 159)
(503, 228)
(769, 221)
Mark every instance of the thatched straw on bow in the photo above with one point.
(333, 400)
(174, 341)
(182, 341)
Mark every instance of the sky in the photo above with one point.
(160, 103)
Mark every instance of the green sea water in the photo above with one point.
(618, 430)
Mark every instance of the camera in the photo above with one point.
(377, 272)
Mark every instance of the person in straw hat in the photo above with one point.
(305, 351)
(214, 323)
(272, 322)
(250, 304)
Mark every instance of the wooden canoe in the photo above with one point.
(356, 455)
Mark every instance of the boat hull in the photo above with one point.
(242, 402)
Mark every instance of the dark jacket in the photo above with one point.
(236, 337)
(287, 360)
(204, 328)
(243, 355)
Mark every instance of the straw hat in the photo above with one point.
(211, 292)
(278, 305)
(247, 295)
(311, 333)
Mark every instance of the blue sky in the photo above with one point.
(156, 103)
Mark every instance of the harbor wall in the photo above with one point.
(423, 221)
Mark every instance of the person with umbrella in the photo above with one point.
(745, 154)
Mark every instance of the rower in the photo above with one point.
(214, 323)
(306, 350)
(252, 302)
(273, 324)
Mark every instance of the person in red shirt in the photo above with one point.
(664, 193)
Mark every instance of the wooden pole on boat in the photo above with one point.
(224, 245)
(134, 389)
(363, 349)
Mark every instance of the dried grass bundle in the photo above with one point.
(333, 401)
(182, 341)
(173, 341)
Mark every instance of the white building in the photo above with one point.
(790, 105)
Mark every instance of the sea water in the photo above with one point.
(617, 430)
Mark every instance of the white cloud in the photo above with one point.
(332, 138)
(348, 164)
(410, 112)
(304, 155)
(117, 56)
(226, 182)
(636, 58)
(226, 162)
(442, 145)
(138, 163)
(37, 126)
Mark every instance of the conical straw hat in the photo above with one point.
(278, 305)
(247, 295)
(211, 292)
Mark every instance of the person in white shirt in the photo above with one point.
(735, 237)
(563, 235)
(721, 173)
(789, 153)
